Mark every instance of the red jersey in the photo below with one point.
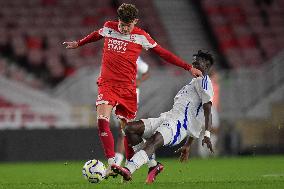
(120, 54)
(121, 51)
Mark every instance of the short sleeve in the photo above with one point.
(148, 42)
(204, 89)
(105, 29)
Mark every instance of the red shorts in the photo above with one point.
(124, 99)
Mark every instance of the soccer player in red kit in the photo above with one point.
(123, 43)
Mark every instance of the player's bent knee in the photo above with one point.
(158, 140)
(136, 127)
(128, 130)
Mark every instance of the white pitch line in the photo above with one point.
(273, 175)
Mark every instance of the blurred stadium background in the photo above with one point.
(47, 93)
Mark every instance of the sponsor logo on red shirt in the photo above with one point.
(117, 45)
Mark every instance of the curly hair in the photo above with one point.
(205, 55)
(127, 12)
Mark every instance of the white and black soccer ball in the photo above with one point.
(94, 171)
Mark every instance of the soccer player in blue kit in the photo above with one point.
(191, 110)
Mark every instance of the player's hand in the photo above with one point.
(71, 44)
(196, 72)
(207, 141)
(184, 153)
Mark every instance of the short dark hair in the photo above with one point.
(127, 12)
(205, 55)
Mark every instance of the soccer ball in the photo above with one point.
(94, 171)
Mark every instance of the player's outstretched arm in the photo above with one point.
(173, 59)
(94, 36)
(71, 44)
(185, 149)
(208, 122)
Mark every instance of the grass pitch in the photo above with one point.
(239, 172)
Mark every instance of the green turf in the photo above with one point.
(242, 172)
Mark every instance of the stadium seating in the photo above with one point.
(24, 107)
(277, 114)
(32, 56)
(248, 92)
(32, 32)
(184, 27)
(262, 135)
(248, 32)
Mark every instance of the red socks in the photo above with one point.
(129, 152)
(106, 137)
(107, 140)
